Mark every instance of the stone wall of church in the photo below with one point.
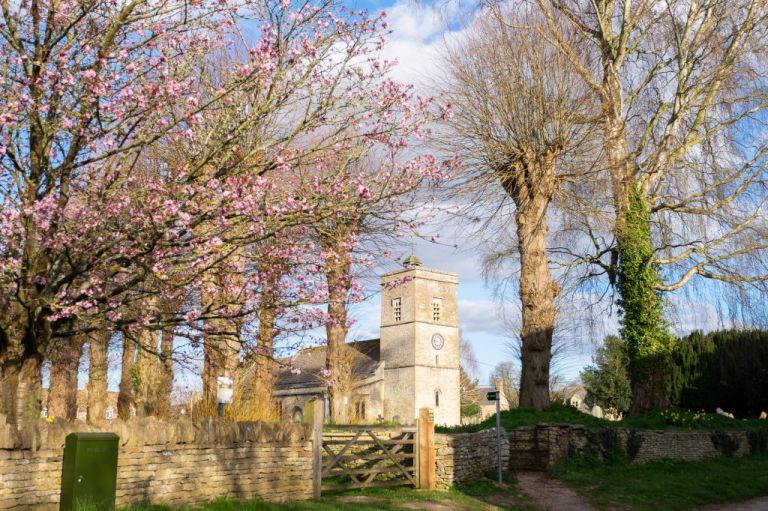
(170, 463)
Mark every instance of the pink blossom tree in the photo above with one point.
(101, 213)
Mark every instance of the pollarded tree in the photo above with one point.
(519, 128)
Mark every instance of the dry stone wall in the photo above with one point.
(538, 447)
(182, 462)
(464, 457)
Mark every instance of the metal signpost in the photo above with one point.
(224, 391)
(495, 396)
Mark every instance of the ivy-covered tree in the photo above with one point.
(679, 88)
(643, 327)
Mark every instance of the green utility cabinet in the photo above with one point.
(89, 472)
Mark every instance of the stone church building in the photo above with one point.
(414, 363)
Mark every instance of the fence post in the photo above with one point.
(314, 412)
(426, 446)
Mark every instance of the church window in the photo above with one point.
(397, 309)
(437, 305)
(298, 414)
(437, 398)
(109, 413)
(360, 410)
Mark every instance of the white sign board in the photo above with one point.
(224, 389)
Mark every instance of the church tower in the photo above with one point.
(420, 343)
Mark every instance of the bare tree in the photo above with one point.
(681, 86)
(520, 129)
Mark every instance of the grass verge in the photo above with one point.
(563, 414)
(668, 485)
(482, 495)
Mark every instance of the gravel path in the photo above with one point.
(552, 495)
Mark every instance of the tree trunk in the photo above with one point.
(337, 363)
(21, 360)
(649, 392)
(147, 372)
(635, 276)
(222, 339)
(62, 389)
(643, 325)
(537, 297)
(127, 375)
(9, 384)
(165, 380)
(20, 393)
(29, 397)
(263, 383)
(97, 375)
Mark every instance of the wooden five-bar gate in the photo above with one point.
(367, 456)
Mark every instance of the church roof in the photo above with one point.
(366, 358)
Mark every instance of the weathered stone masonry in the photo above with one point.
(171, 463)
(538, 447)
(464, 457)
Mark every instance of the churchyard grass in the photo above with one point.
(668, 485)
(564, 414)
(481, 495)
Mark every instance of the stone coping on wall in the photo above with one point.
(140, 431)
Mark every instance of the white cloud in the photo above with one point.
(483, 316)
(418, 30)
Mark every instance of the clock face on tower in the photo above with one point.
(437, 341)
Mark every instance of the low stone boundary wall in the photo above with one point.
(538, 447)
(463, 457)
(180, 462)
